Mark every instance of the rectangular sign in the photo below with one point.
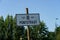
(30, 19)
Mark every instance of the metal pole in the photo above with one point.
(20, 38)
(27, 26)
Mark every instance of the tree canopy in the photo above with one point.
(10, 31)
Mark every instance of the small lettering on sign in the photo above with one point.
(27, 22)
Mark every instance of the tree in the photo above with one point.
(18, 31)
(58, 33)
(51, 36)
(9, 25)
(2, 30)
(14, 29)
(10, 31)
(39, 32)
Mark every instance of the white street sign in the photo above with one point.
(30, 19)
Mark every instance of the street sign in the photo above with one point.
(30, 19)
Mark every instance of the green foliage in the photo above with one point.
(51, 36)
(58, 33)
(39, 32)
(58, 30)
(9, 30)
(2, 28)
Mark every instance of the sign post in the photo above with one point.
(27, 20)
(28, 36)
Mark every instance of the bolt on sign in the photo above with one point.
(30, 19)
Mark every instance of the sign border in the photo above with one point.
(28, 14)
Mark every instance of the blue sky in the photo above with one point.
(49, 9)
